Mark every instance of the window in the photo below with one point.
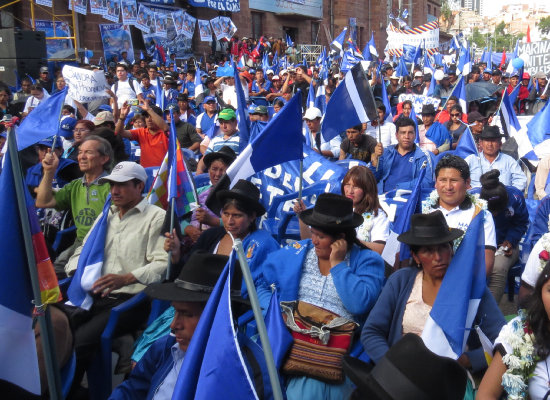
(429, 9)
(315, 32)
(257, 30)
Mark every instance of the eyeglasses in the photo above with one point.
(455, 115)
(81, 130)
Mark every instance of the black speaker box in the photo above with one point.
(22, 44)
(30, 66)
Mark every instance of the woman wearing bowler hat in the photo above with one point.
(409, 294)
(332, 270)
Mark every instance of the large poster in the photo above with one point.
(178, 44)
(424, 35)
(217, 28)
(80, 6)
(536, 56)
(222, 5)
(145, 20)
(129, 12)
(98, 7)
(113, 10)
(161, 24)
(204, 30)
(310, 8)
(56, 48)
(188, 27)
(116, 38)
(47, 3)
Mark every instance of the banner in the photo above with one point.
(426, 35)
(221, 5)
(116, 38)
(228, 27)
(309, 8)
(217, 28)
(419, 100)
(536, 56)
(80, 6)
(98, 7)
(161, 25)
(47, 3)
(177, 19)
(129, 12)
(204, 30)
(56, 48)
(113, 10)
(188, 27)
(85, 85)
(145, 19)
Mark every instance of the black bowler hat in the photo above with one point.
(408, 371)
(332, 211)
(429, 230)
(226, 153)
(246, 192)
(197, 279)
(490, 132)
(428, 109)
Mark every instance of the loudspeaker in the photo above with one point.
(22, 44)
(29, 66)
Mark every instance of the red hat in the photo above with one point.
(526, 76)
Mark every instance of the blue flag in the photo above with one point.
(415, 120)
(459, 91)
(243, 121)
(459, 296)
(18, 343)
(538, 129)
(464, 61)
(289, 41)
(369, 52)
(401, 68)
(386, 101)
(159, 94)
(213, 367)
(277, 332)
(90, 262)
(402, 224)
(466, 145)
(337, 45)
(310, 96)
(172, 161)
(42, 122)
(281, 140)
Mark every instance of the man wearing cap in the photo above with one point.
(539, 94)
(189, 85)
(84, 197)
(443, 89)
(186, 113)
(496, 76)
(330, 149)
(152, 139)
(486, 77)
(261, 112)
(434, 136)
(133, 257)
(104, 119)
(44, 79)
(125, 88)
(476, 122)
(490, 157)
(301, 82)
(398, 167)
(209, 117)
(186, 133)
(170, 92)
(260, 86)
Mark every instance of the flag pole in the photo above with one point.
(301, 180)
(43, 314)
(172, 223)
(59, 119)
(253, 296)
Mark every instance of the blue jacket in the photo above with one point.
(512, 223)
(539, 225)
(385, 163)
(384, 326)
(358, 284)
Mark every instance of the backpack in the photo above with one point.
(130, 82)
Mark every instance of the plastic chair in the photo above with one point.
(64, 238)
(67, 375)
(259, 101)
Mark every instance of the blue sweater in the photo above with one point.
(384, 326)
(385, 163)
(358, 284)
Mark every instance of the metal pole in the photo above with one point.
(253, 296)
(301, 181)
(172, 222)
(52, 369)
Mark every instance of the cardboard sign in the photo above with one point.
(419, 100)
(85, 85)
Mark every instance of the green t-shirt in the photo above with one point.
(85, 202)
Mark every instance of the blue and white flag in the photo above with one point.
(402, 224)
(214, 366)
(349, 60)
(18, 346)
(243, 121)
(369, 52)
(511, 126)
(337, 45)
(159, 94)
(42, 122)
(466, 145)
(538, 129)
(289, 41)
(90, 262)
(320, 97)
(352, 103)
(386, 101)
(411, 54)
(464, 61)
(280, 141)
(199, 88)
(242, 62)
(401, 68)
(457, 301)
(459, 91)
(311, 95)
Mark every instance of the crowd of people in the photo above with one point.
(109, 147)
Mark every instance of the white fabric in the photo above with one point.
(124, 92)
(241, 168)
(460, 219)
(379, 227)
(532, 267)
(387, 133)
(34, 102)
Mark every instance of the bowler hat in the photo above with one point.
(490, 132)
(226, 153)
(332, 211)
(408, 371)
(246, 192)
(196, 280)
(429, 230)
(428, 109)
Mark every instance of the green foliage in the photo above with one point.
(499, 39)
(544, 25)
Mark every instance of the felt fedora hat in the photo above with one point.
(429, 230)
(408, 371)
(196, 280)
(246, 192)
(490, 132)
(226, 153)
(332, 211)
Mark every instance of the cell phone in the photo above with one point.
(133, 102)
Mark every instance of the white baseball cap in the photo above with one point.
(125, 171)
(270, 71)
(312, 113)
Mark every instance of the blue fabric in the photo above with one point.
(539, 225)
(438, 134)
(34, 174)
(385, 169)
(266, 85)
(400, 169)
(384, 326)
(512, 223)
(358, 284)
(206, 121)
(190, 86)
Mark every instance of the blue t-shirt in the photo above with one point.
(206, 122)
(400, 170)
(266, 85)
(190, 86)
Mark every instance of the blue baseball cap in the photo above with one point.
(49, 142)
(105, 107)
(66, 127)
(209, 98)
(251, 108)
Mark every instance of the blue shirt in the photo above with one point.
(510, 171)
(190, 86)
(205, 122)
(399, 170)
(148, 93)
(265, 86)
(166, 388)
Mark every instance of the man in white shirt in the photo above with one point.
(330, 149)
(125, 89)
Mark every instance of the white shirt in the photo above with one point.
(374, 228)
(124, 91)
(34, 102)
(333, 145)
(532, 267)
(387, 133)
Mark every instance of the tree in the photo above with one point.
(544, 25)
(447, 15)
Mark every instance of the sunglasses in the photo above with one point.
(455, 115)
